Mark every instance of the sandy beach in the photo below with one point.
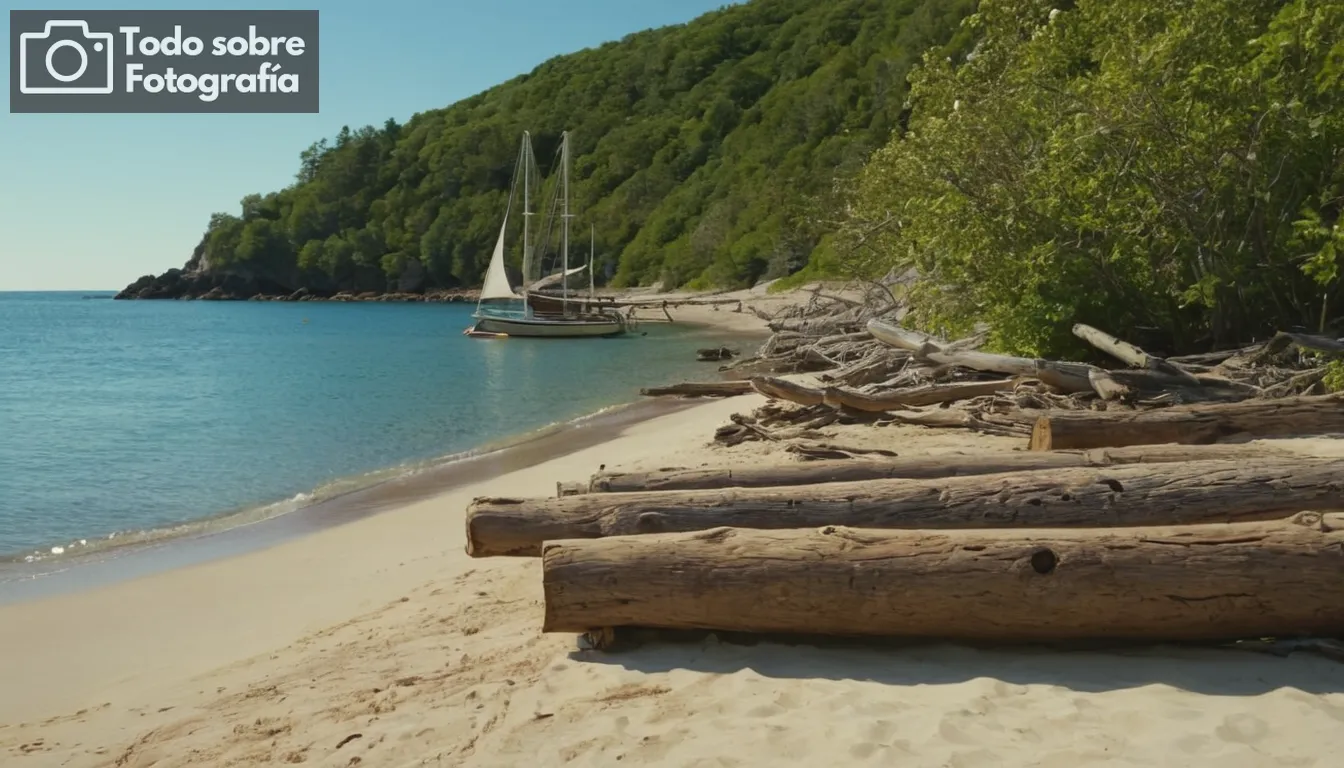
(381, 643)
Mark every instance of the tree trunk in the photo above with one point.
(1211, 582)
(1160, 494)
(701, 389)
(917, 468)
(1189, 425)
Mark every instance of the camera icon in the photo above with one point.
(37, 65)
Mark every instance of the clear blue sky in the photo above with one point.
(91, 202)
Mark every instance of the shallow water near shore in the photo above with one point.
(139, 422)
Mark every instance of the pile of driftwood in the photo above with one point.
(866, 368)
(1260, 391)
(1129, 517)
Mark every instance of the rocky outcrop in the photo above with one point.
(201, 280)
(182, 284)
(177, 284)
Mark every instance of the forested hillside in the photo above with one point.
(704, 154)
(1172, 171)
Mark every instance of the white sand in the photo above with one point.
(384, 635)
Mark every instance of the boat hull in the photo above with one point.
(547, 328)
(548, 304)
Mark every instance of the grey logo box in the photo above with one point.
(163, 61)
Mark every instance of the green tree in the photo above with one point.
(1174, 167)
(692, 145)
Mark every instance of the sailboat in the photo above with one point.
(533, 321)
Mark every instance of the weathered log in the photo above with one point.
(1160, 494)
(1210, 582)
(1315, 343)
(1283, 339)
(700, 389)
(1132, 355)
(679, 479)
(894, 335)
(1016, 423)
(1205, 358)
(825, 451)
(915, 397)
(836, 397)
(1135, 384)
(1064, 376)
(1189, 425)
(783, 389)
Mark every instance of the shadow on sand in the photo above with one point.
(1206, 670)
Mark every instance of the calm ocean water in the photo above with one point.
(121, 417)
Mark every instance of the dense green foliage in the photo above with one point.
(703, 153)
(1174, 170)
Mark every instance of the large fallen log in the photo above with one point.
(1211, 582)
(1163, 494)
(700, 389)
(1190, 425)
(931, 467)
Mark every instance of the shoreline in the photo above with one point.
(229, 534)
(159, 630)
(78, 563)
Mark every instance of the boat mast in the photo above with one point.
(527, 214)
(592, 251)
(564, 269)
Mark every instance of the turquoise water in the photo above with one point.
(123, 417)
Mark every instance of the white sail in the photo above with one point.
(496, 279)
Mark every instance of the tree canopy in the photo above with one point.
(1175, 169)
(703, 154)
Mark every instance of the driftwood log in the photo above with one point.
(680, 479)
(1151, 386)
(1282, 340)
(1064, 376)
(1133, 356)
(1159, 494)
(783, 389)
(1190, 425)
(700, 389)
(837, 397)
(1216, 582)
